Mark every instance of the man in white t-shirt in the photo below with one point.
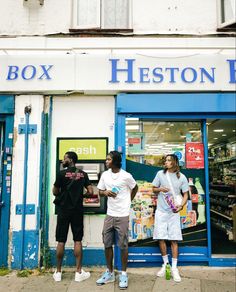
(120, 188)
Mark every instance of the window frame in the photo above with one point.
(220, 10)
(100, 18)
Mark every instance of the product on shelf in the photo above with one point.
(223, 188)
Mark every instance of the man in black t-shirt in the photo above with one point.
(69, 186)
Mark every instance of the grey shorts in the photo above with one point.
(119, 226)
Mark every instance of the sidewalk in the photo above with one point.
(196, 279)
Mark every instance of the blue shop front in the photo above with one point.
(200, 129)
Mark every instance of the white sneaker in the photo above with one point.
(162, 271)
(175, 275)
(79, 277)
(57, 276)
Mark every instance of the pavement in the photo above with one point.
(194, 279)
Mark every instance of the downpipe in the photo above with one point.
(27, 114)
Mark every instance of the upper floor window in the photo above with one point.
(102, 14)
(227, 15)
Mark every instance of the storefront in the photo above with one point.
(144, 102)
(153, 125)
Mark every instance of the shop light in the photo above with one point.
(218, 130)
(215, 138)
(234, 131)
(155, 146)
(167, 129)
(132, 119)
(224, 135)
(132, 127)
(194, 131)
(173, 145)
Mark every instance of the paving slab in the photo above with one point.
(194, 279)
(188, 285)
(217, 286)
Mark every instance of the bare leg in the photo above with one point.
(60, 254)
(109, 258)
(174, 249)
(163, 248)
(78, 255)
(124, 259)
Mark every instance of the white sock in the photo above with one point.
(174, 263)
(165, 259)
(124, 273)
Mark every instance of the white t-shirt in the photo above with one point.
(123, 183)
(179, 184)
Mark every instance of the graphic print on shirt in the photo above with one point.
(71, 175)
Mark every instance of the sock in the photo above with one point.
(174, 263)
(165, 259)
(124, 273)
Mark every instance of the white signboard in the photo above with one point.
(111, 72)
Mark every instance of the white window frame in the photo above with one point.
(99, 19)
(220, 9)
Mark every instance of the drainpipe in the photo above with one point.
(27, 113)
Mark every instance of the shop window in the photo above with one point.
(222, 174)
(148, 141)
(101, 14)
(227, 14)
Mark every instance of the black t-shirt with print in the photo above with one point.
(63, 179)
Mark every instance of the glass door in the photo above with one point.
(222, 174)
(147, 143)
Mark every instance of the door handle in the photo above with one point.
(1, 204)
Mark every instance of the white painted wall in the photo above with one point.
(151, 16)
(36, 102)
(175, 16)
(80, 116)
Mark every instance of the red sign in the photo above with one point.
(134, 140)
(194, 155)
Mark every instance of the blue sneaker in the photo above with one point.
(106, 277)
(123, 281)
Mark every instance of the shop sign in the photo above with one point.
(87, 149)
(135, 142)
(194, 155)
(171, 74)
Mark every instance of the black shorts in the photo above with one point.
(66, 218)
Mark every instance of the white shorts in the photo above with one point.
(167, 226)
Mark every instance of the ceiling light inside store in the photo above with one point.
(218, 130)
(132, 127)
(215, 138)
(194, 131)
(132, 119)
(174, 145)
(224, 135)
(155, 146)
